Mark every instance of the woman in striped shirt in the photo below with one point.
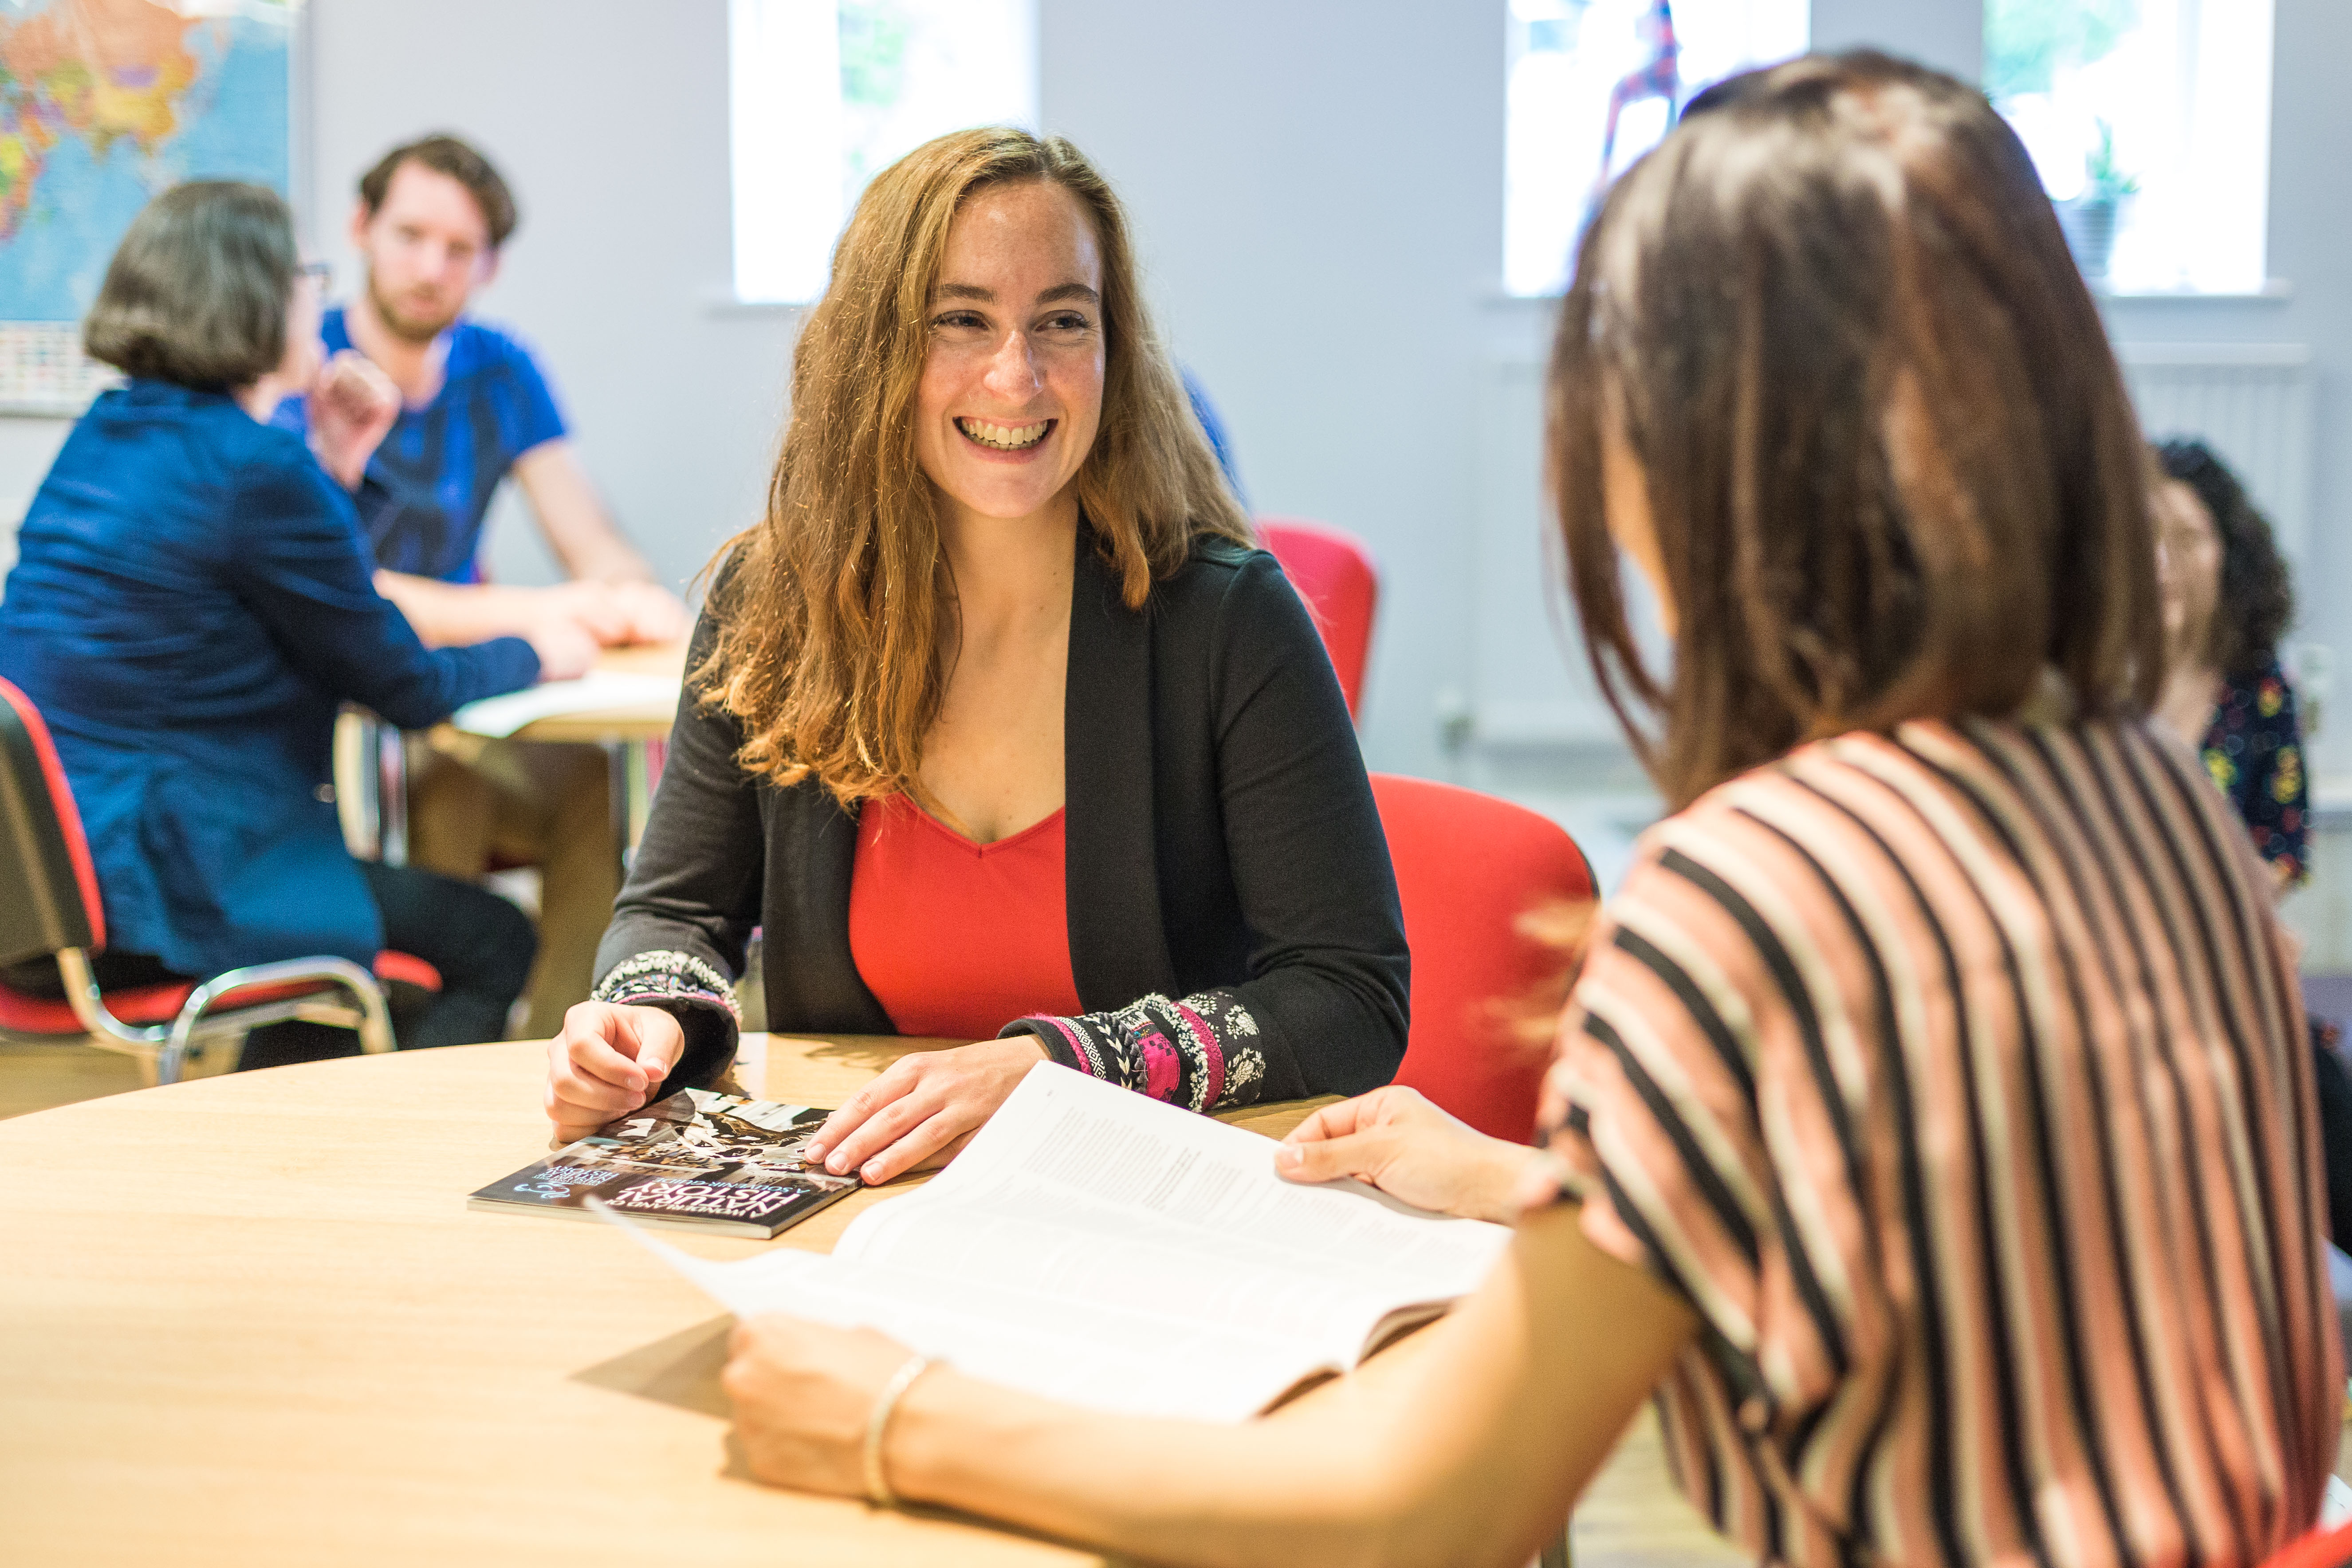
(1931, 1130)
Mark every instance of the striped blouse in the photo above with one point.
(1957, 1078)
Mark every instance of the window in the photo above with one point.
(1592, 86)
(2150, 123)
(826, 93)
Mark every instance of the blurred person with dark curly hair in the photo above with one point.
(2228, 597)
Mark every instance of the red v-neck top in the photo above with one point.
(957, 938)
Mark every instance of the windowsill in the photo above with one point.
(730, 305)
(2275, 291)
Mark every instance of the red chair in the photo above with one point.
(2320, 1548)
(49, 908)
(1334, 573)
(1468, 867)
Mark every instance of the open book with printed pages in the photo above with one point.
(1095, 1246)
(697, 1158)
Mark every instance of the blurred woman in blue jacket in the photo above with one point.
(192, 599)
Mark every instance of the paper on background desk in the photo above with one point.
(1095, 1246)
(599, 692)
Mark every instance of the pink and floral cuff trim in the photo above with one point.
(1196, 1053)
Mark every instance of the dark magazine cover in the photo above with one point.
(698, 1159)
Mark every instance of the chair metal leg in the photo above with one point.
(89, 1009)
(167, 1046)
(375, 1019)
(392, 794)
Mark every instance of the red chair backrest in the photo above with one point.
(1334, 573)
(48, 889)
(2320, 1548)
(1469, 866)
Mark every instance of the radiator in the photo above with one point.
(1530, 709)
(2252, 403)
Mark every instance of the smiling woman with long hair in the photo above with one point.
(1931, 1131)
(999, 725)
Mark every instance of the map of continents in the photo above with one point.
(103, 103)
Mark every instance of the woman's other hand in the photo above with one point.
(923, 1108)
(352, 404)
(803, 1393)
(1400, 1143)
(607, 1062)
(566, 649)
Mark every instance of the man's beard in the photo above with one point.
(409, 329)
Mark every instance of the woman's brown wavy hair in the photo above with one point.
(1891, 463)
(831, 610)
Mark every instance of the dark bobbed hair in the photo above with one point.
(1892, 466)
(2255, 601)
(197, 290)
(446, 154)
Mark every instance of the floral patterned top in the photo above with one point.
(2255, 752)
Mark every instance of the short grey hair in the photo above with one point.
(197, 290)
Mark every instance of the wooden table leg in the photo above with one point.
(633, 794)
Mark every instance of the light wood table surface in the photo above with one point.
(248, 1321)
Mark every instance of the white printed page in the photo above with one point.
(1101, 1359)
(1064, 1144)
(1099, 1247)
(1095, 1259)
(598, 692)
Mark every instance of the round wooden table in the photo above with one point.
(248, 1321)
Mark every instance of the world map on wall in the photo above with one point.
(103, 104)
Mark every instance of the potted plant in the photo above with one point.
(2089, 219)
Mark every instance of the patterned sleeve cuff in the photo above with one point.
(660, 976)
(1194, 1052)
(690, 990)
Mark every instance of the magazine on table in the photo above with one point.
(1096, 1247)
(698, 1159)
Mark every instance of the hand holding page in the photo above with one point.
(1099, 1247)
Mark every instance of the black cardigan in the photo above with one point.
(1234, 930)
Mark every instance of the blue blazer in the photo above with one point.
(191, 599)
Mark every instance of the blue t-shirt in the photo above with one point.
(429, 484)
(1213, 428)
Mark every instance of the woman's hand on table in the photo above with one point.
(608, 1061)
(1411, 1150)
(923, 1108)
(803, 1393)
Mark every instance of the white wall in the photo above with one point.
(1318, 193)
(2310, 251)
(610, 120)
